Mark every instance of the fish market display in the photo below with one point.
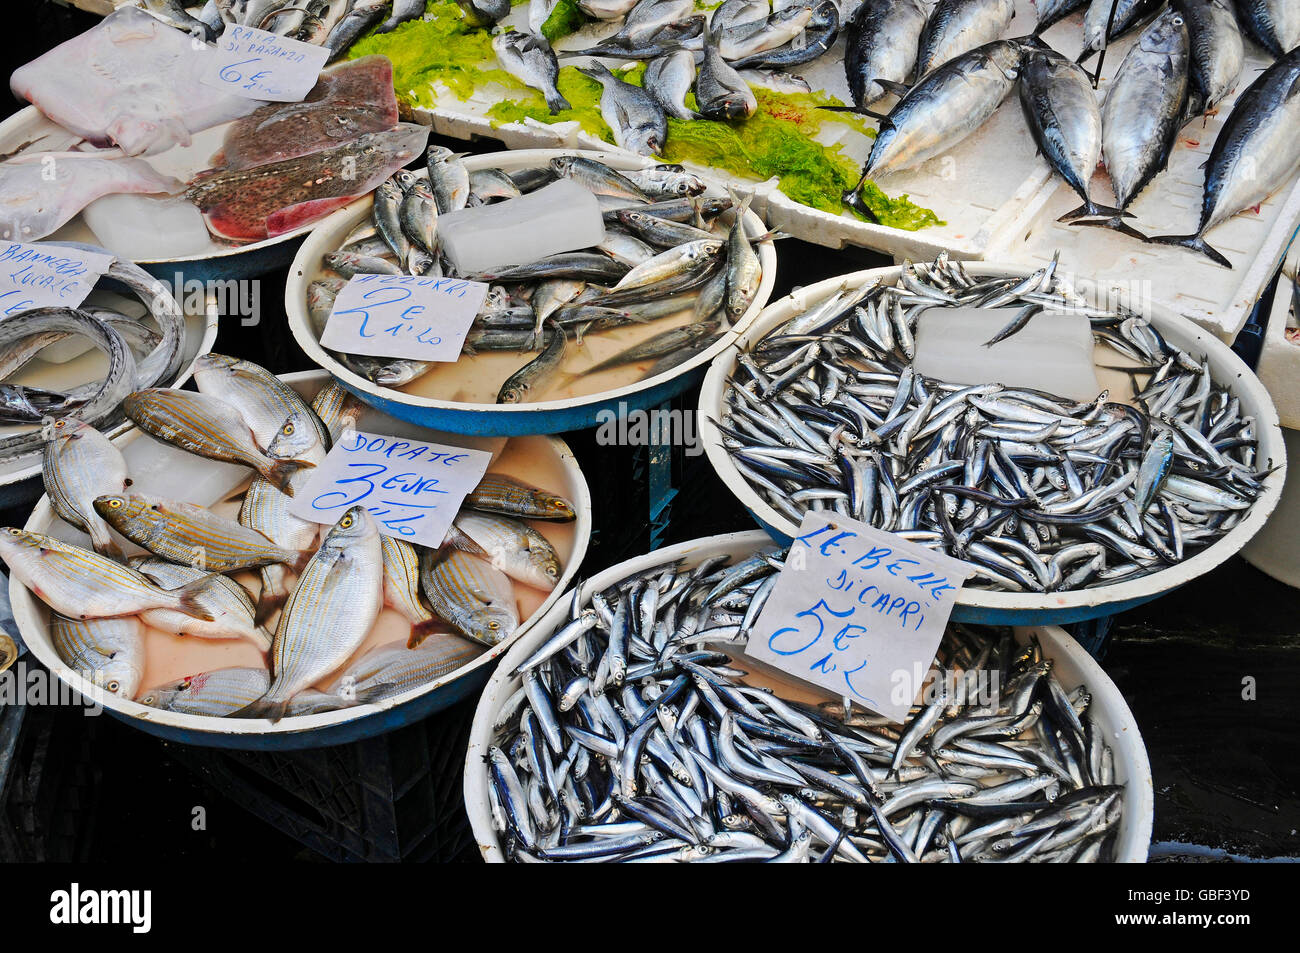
(633, 738)
(1035, 492)
(129, 81)
(673, 272)
(313, 618)
(136, 357)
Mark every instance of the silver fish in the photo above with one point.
(530, 60)
(80, 465)
(512, 546)
(958, 26)
(632, 114)
(669, 78)
(470, 594)
(881, 43)
(106, 652)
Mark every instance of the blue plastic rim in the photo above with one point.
(356, 729)
(986, 615)
(522, 422)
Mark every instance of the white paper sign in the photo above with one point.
(859, 612)
(411, 488)
(260, 65)
(408, 316)
(44, 276)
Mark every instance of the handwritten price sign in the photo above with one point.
(43, 275)
(855, 610)
(260, 65)
(411, 488)
(407, 316)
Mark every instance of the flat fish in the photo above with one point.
(130, 81)
(348, 101)
(41, 192)
(269, 200)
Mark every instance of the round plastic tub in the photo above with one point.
(308, 731)
(1019, 608)
(1072, 665)
(20, 477)
(548, 416)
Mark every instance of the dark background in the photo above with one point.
(1226, 770)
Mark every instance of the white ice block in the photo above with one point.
(1053, 352)
(561, 217)
(162, 469)
(144, 228)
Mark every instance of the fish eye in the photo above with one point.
(15, 532)
(149, 699)
(494, 625)
(346, 522)
(287, 430)
(114, 504)
(113, 686)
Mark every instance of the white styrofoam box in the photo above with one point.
(1279, 362)
(981, 190)
(1219, 299)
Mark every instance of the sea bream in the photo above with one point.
(881, 43)
(943, 109)
(530, 60)
(1257, 151)
(1143, 112)
(632, 114)
(669, 78)
(271, 199)
(720, 92)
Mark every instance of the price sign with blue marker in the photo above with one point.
(259, 65)
(858, 612)
(411, 489)
(414, 317)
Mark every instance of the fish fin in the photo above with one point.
(273, 711)
(268, 601)
(1116, 224)
(422, 630)
(1092, 209)
(295, 216)
(889, 86)
(557, 103)
(224, 221)
(189, 594)
(457, 539)
(860, 110)
(104, 543)
(1195, 243)
(279, 472)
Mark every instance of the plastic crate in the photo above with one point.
(48, 781)
(396, 797)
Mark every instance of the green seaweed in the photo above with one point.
(566, 18)
(442, 49)
(582, 92)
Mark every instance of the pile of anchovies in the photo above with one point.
(633, 739)
(1036, 492)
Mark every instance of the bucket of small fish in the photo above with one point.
(128, 145)
(78, 364)
(661, 269)
(1081, 457)
(629, 726)
(170, 580)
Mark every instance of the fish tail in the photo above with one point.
(104, 544)
(1117, 224)
(273, 594)
(860, 110)
(556, 102)
(1091, 209)
(271, 709)
(1195, 243)
(420, 631)
(189, 595)
(279, 472)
